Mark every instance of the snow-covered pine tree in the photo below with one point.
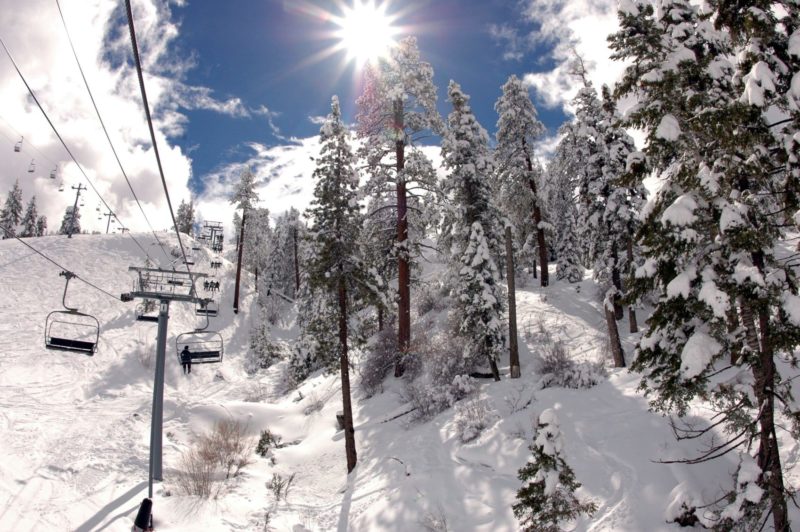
(471, 230)
(41, 225)
(336, 269)
(398, 104)
(29, 220)
(725, 302)
(560, 185)
(518, 171)
(67, 221)
(547, 497)
(243, 197)
(11, 214)
(256, 241)
(282, 266)
(185, 217)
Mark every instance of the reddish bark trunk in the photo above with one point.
(344, 366)
(239, 264)
(512, 308)
(403, 266)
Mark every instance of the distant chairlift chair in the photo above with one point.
(207, 308)
(143, 315)
(70, 330)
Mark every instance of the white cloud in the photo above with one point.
(41, 49)
(580, 25)
(516, 45)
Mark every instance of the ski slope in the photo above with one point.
(74, 429)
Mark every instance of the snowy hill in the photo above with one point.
(74, 430)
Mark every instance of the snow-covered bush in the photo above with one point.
(267, 442)
(747, 502)
(378, 361)
(472, 417)
(437, 374)
(280, 486)
(196, 475)
(264, 351)
(547, 496)
(558, 369)
(431, 298)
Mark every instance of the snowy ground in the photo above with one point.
(74, 429)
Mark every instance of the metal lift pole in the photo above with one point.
(157, 420)
(74, 209)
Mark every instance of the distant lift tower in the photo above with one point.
(212, 234)
(164, 286)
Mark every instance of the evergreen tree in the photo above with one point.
(11, 214)
(547, 496)
(29, 220)
(398, 104)
(722, 296)
(336, 269)
(41, 226)
(519, 173)
(562, 172)
(470, 232)
(243, 197)
(185, 217)
(282, 264)
(67, 222)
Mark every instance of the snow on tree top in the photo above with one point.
(668, 129)
(681, 212)
(697, 354)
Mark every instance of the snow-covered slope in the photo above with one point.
(74, 429)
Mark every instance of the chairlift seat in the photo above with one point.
(70, 330)
(206, 357)
(71, 345)
(205, 347)
(145, 317)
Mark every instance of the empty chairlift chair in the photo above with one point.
(71, 330)
(207, 307)
(145, 314)
(18, 145)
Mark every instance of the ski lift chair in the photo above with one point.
(53, 173)
(142, 315)
(205, 347)
(61, 187)
(18, 145)
(31, 167)
(207, 308)
(69, 329)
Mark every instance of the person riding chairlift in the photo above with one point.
(186, 360)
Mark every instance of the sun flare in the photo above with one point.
(365, 31)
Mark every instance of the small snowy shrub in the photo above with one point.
(228, 446)
(313, 404)
(547, 496)
(377, 362)
(472, 417)
(280, 486)
(196, 475)
(267, 442)
(558, 369)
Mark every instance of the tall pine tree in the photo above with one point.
(11, 214)
(29, 227)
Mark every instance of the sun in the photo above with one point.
(365, 32)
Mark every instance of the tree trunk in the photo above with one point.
(634, 327)
(380, 317)
(733, 323)
(512, 307)
(613, 339)
(537, 220)
(769, 459)
(296, 266)
(616, 280)
(534, 269)
(344, 366)
(748, 321)
(403, 266)
(239, 264)
(256, 274)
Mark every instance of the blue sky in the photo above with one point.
(234, 83)
(261, 51)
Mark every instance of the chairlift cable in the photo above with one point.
(108, 137)
(63, 268)
(146, 106)
(26, 143)
(63, 143)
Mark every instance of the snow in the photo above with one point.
(794, 44)
(791, 305)
(714, 298)
(697, 353)
(681, 285)
(668, 129)
(759, 80)
(681, 211)
(74, 430)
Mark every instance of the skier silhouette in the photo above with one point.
(186, 360)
